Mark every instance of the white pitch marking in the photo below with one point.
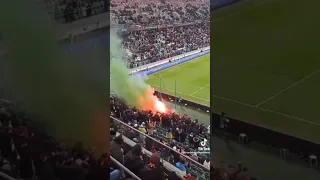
(199, 89)
(249, 105)
(287, 88)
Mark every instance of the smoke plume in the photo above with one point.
(132, 89)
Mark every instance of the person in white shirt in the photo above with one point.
(206, 163)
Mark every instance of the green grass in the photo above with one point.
(266, 68)
(192, 80)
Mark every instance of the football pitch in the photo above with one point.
(189, 80)
(266, 65)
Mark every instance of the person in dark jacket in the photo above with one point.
(26, 164)
(149, 143)
(135, 160)
(115, 148)
(44, 169)
(154, 169)
(65, 172)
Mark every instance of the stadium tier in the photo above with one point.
(66, 11)
(155, 12)
(154, 44)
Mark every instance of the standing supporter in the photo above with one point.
(45, 170)
(154, 169)
(115, 148)
(26, 161)
(134, 160)
(151, 126)
(149, 143)
(169, 136)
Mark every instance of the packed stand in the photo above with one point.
(151, 45)
(158, 12)
(66, 11)
(134, 159)
(179, 132)
(26, 153)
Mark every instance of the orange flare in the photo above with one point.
(151, 102)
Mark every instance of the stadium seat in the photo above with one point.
(313, 160)
(243, 138)
(284, 153)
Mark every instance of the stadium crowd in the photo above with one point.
(177, 131)
(156, 30)
(131, 12)
(27, 153)
(147, 37)
(151, 45)
(158, 12)
(66, 11)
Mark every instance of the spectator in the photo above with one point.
(89, 9)
(194, 156)
(26, 153)
(115, 174)
(206, 163)
(115, 148)
(135, 160)
(154, 169)
(26, 162)
(45, 170)
(180, 166)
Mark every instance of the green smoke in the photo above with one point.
(124, 86)
(66, 89)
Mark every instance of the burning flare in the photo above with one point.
(160, 106)
(151, 102)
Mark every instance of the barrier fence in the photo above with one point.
(169, 62)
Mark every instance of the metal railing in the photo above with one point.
(122, 167)
(4, 176)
